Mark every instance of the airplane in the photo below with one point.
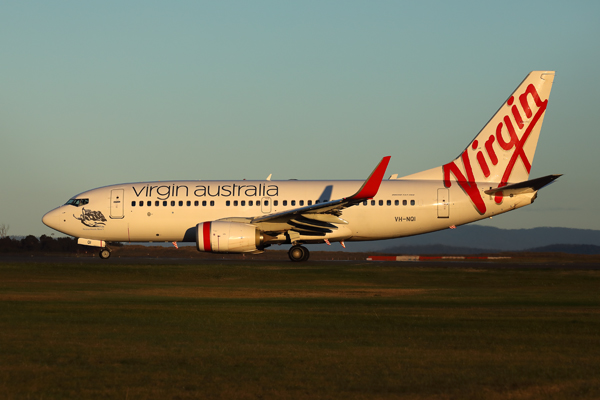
(490, 177)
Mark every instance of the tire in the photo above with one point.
(298, 253)
(104, 253)
(306, 254)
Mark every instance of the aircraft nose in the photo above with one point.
(50, 219)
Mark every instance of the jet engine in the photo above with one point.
(228, 237)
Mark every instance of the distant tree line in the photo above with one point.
(45, 243)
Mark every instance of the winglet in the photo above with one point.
(371, 186)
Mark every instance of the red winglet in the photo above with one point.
(371, 186)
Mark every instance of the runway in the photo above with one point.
(573, 263)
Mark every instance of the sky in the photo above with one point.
(100, 93)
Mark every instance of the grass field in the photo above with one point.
(265, 330)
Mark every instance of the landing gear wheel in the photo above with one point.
(298, 253)
(306, 254)
(104, 253)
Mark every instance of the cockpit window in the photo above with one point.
(77, 202)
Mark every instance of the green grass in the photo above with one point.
(278, 330)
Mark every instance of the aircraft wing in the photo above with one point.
(318, 219)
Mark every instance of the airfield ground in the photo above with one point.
(186, 329)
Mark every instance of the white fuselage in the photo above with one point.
(170, 211)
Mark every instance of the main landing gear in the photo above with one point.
(104, 253)
(298, 253)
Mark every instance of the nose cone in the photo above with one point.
(50, 219)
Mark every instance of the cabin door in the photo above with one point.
(443, 203)
(116, 204)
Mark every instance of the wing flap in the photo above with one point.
(313, 222)
(308, 228)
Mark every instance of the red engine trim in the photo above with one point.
(206, 236)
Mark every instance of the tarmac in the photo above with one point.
(428, 263)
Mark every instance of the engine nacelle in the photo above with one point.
(227, 237)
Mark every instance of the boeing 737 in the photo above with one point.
(490, 177)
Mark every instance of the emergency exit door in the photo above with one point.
(116, 204)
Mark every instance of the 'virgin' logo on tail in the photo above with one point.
(508, 140)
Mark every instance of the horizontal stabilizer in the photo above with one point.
(524, 187)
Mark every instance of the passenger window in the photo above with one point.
(266, 202)
(196, 203)
(310, 202)
(258, 202)
(180, 203)
(235, 203)
(212, 203)
(243, 203)
(165, 203)
(227, 203)
(149, 203)
(317, 202)
(285, 202)
(293, 202)
(141, 203)
(133, 203)
(301, 202)
(172, 203)
(275, 202)
(404, 202)
(396, 202)
(250, 202)
(389, 202)
(380, 202)
(372, 202)
(203, 203)
(188, 203)
(157, 203)
(412, 202)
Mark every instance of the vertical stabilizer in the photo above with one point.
(503, 150)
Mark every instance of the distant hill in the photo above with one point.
(568, 248)
(472, 239)
(485, 237)
(450, 250)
